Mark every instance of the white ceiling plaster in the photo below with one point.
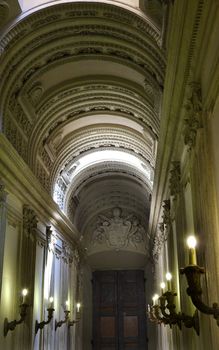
(86, 90)
(29, 4)
(100, 119)
(86, 67)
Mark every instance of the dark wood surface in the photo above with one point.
(119, 316)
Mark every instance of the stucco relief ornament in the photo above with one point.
(162, 231)
(175, 177)
(29, 221)
(193, 119)
(118, 232)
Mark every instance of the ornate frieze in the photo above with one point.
(162, 231)
(35, 93)
(193, 120)
(48, 236)
(166, 217)
(67, 253)
(175, 177)
(118, 232)
(43, 176)
(29, 221)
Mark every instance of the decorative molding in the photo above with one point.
(162, 231)
(67, 253)
(25, 61)
(118, 232)
(175, 178)
(35, 93)
(48, 237)
(166, 214)
(105, 171)
(29, 221)
(20, 181)
(193, 120)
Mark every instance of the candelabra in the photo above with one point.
(168, 309)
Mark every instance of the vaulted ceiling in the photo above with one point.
(81, 87)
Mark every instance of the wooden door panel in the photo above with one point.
(105, 320)
(130, 326)
(119, 320)
(131, 311)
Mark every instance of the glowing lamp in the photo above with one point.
(192, 242)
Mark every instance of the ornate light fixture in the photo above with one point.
(40, 325)
(168, 309)
(193, 274)
(67, 312)
(23, 312)
(78, 315)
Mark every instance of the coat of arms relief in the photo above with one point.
(118, 232)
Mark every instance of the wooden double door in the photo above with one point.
(119, 312)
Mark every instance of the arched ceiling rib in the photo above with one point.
(77, 78)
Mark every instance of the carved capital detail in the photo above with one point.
(50, 239)
(162, 231)
(175, 176)
(67, 252)
(193, 121)
(29, 221)
(166, 214)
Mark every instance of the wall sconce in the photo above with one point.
(180, 317)
(78, 307)
(23, 312)
(193, 274)
(153, 312)
(171, 317)
(60, 323)
(40, 325)
(78, 311)
(155, 315)
(73, 322)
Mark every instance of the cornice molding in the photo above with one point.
(186, 19)
(20, 180)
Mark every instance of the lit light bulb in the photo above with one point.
(162, 286)
(24, 294)
(168, 278)
(155, 299)
(78, 306)
(192, 242)
(51, 302)
(67, 304)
